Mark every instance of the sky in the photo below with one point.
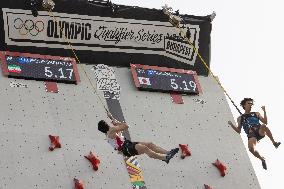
(246, 49)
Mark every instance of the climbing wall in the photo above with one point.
(29, 114)
(201, 122)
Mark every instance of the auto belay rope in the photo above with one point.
(176, 20)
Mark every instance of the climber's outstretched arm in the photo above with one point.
(239, 127)
(119, 126)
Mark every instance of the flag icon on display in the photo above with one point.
(144, 81)
(14, 69)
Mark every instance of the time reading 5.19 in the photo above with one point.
(184, 85)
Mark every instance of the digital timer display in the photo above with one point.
(163, 79)
(39, 67)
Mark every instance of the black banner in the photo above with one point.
(103, 35)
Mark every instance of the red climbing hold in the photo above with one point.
(184, 150)
(222, 168)
(78, 184)
(55, 143)
(94, 160)
(207, 186)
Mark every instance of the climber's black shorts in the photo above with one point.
(254, 132)
(128, 148)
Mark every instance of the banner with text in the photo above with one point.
(99, 34)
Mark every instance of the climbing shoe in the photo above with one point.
(171, 154)
(276, 144)
(264, 164)
(174, 151)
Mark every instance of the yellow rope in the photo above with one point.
(71, 47)
(202, 60)
(184, 35)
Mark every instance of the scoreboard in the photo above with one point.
(154, 78)
(39, 67)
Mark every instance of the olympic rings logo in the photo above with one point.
(28, 26)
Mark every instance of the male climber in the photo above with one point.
(255, 131)
(128, 148)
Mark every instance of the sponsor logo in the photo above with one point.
(135, 172)
(178, 47)
(28, 26)
(14, 84)
(106, 81)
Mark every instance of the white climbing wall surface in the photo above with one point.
(29, 114)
